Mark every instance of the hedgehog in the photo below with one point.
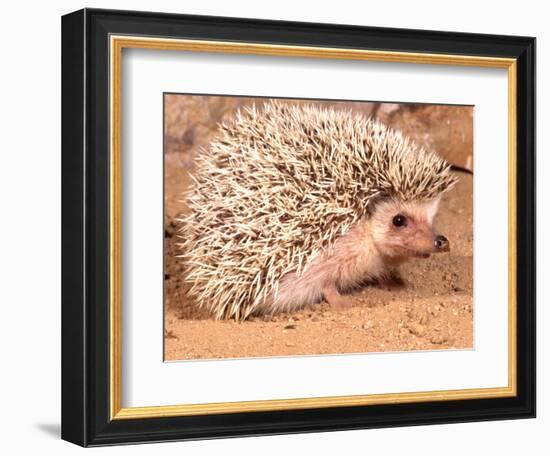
(291, 204)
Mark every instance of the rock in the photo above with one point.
(416, 328)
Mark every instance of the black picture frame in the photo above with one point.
(85, 228)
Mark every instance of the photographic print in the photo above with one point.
(258, 201)
(309, 227)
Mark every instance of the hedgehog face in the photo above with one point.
(405, 229)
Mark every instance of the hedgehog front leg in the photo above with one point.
(334, 298)
(391, 281)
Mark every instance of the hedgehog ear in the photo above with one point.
(432, 208)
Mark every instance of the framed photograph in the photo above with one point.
(277, 227)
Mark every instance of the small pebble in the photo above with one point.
(416, 328)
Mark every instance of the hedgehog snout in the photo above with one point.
(442, 244)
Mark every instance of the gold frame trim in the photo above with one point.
(117, 44)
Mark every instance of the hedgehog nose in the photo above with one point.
(442, 244)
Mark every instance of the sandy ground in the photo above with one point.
(432, 311)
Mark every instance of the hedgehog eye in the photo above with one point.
(399, 221)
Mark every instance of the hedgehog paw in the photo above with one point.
(335, 299)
